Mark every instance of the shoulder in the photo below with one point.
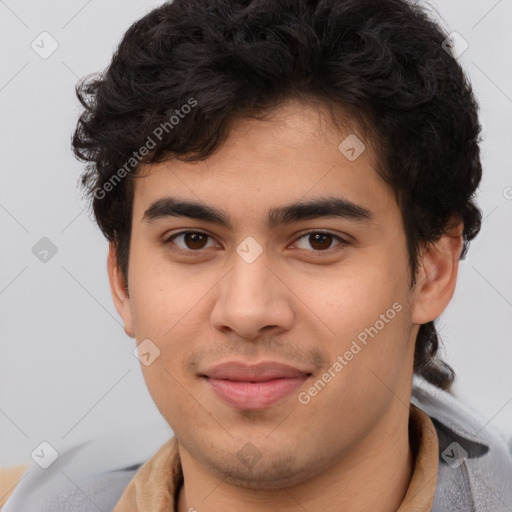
(89, 476)
(475, 462)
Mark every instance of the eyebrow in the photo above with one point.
(334, 207)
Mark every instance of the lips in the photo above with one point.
(261, 372)
(257, 386)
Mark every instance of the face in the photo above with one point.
(322, 290)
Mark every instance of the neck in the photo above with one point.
(374, 475)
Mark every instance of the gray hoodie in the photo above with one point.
(475, 464)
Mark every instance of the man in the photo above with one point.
(287, 188)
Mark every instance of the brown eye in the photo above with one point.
(189, 240)
(195, 240)
(320, 241)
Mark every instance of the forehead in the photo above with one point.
(294, 154)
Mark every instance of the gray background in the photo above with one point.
(67, 371)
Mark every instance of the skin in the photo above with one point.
(348, 448)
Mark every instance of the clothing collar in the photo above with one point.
(156, 485)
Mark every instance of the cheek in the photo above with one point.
(365, 318)
(169, 391)
(352, 296)
(162, 294)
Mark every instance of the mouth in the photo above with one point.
(254, 387)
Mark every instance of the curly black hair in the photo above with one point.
(184, 72)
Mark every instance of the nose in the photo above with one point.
(253, 298)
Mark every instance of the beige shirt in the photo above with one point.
(155, 487)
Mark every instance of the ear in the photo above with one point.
(437, 274)
(119, 291)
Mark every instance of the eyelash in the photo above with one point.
(179, 251)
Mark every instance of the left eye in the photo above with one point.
(320, 241)
(195, 240)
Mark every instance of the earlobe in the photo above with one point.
(119, 291)
(437, 275)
